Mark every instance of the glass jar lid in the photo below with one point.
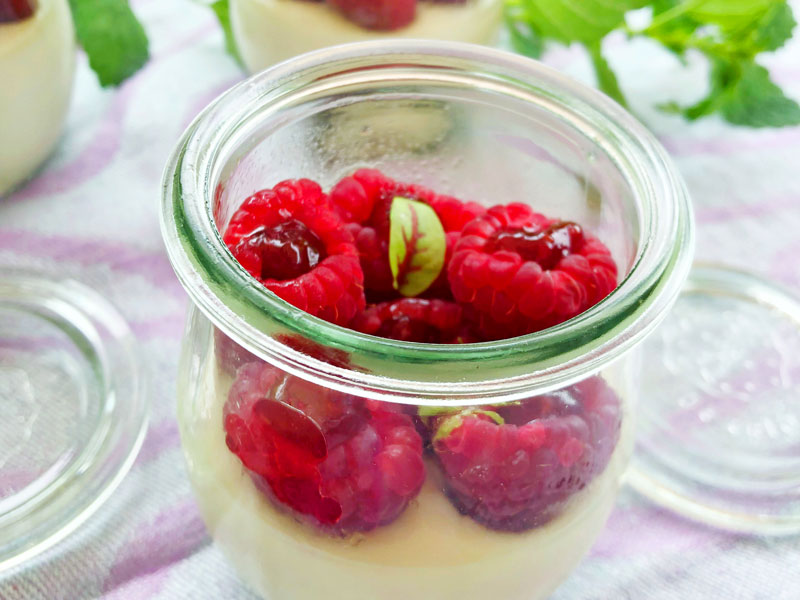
(718, 416)
(73, 407)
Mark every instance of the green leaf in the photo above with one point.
(671, 107)
(744, 95)
(524, 38)
(730, 14)
(436, 411)
(417, 246)
(774, 29)
(221, 9)
(450, 424)
(112, 37)
(584, 21)
(722, 77)
(730, 33)
(606, 79)
(672, 25)
(755, 101)
(705, 107)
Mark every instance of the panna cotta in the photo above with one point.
(430, 551)
(315, 491)
(405, 372)
(269, 31)
(37, 62)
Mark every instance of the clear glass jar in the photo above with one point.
(37, 63)
(269, 31)
(482, 125)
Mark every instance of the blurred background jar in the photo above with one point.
(269, 31)
(37, 63)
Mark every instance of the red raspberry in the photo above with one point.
(290, 240)
(230, 355)
(343, 463)
(523, 272)
(16, 10)
(415, 320)
(455, 214)
(518, 475)
(332, 356)
(384, 15)
(364, 199)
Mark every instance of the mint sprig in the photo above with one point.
(731, 34)
(112, 38)
(222, 11)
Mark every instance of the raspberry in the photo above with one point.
(519, 474)
(290, 240)
(384, 15)
(545, 246)
(342, 463)
(455, 214)
(523, 272)
(332, 356)
(16, 10)
(230, 355)
(415, 320)
(363, 201)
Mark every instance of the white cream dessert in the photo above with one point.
(269, 31)
(429, 551)
(37, 62)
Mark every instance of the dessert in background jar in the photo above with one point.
(269, 31)
(37, 61)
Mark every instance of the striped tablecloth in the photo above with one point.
(92, 213)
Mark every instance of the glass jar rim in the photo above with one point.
(407, 371)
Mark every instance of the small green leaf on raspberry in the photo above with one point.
(450, 424)
(437, 411)
(417, 246)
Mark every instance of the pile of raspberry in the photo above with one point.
(507, 270)
(345, 464)
(380, 15)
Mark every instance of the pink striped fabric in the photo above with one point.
(92, 212)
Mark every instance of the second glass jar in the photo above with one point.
(269, 31)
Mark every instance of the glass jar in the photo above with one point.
(482, 125)
(37, 63)
(269, 31)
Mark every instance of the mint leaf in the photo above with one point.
(755, 101)
(729, 14)
(112, 38)
(751, 25)
(417, 246)
(723, 75)
(606, 79)
(222, 11)
(774, 28)
(437, 411)
(567, 21)
(671, 25)
(744, 95)
(524, 38)
(450, 424)
(730, 33)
